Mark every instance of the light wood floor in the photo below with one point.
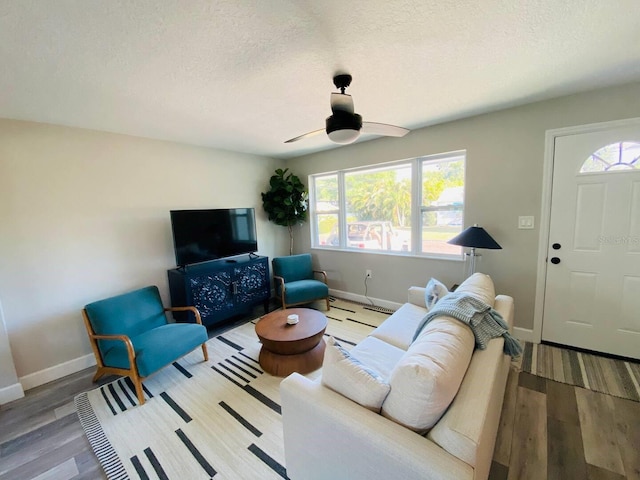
(548, 430)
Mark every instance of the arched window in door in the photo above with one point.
(614, 157)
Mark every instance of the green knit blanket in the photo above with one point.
(485, 322)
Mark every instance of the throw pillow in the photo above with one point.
(479, 286)
(435, 291)
(346, 375)
(426, 379)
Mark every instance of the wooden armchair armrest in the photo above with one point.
(195, 311)
(131, 353)
(323, 273)
(280, 280)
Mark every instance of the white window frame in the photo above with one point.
(417, 206)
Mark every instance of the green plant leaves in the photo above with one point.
(286, 201)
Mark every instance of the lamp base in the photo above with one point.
(473, 258)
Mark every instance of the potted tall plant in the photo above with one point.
(286, 201)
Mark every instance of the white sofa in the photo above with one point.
(328, 436)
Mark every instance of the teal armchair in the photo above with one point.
(130, 335)
(295, 280)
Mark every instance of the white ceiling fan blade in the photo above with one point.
(384, 129)
(305, 135)
(342, 102)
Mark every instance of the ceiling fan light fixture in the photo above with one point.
(343, 127)
(344, 136)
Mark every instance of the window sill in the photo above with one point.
(453, 258)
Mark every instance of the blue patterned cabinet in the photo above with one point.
(221, 289)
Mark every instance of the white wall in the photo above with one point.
(85, 215)
(505, 154)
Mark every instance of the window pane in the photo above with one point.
(378, 203)
(326, 193)
(328, 229)
(613, 158)
(442, 204)
(434, 236)
(326, 207)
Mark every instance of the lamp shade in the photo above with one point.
(475, 237)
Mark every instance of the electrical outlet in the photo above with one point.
(368, 274)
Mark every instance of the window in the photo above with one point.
(408, 207)
(442, 204)
(612, 158)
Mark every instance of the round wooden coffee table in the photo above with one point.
(291, 348)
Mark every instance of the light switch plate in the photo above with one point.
(525, 223)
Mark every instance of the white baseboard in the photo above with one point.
(57, 371)
(11, 393)
(525, 334)
(354, 297)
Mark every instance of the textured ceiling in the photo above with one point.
(246, 75)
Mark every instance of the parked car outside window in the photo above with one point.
(370, 236)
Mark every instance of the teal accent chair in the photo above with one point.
(295, 280)
(130, 335)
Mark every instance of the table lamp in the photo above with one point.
(474, 237)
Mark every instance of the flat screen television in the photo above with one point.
(204, 235)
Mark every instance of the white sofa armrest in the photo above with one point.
(504, 305)
(416, 296)
(328, 436)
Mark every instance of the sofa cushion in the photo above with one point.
(349, 377)
(434, 291)
(157, 347)
(427, 377)
(399, 328)
(480, 286)
(415, 295)
(378, 355)
(468, 429)
(302, 290)
(480, 396)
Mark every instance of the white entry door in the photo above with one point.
(592, 294)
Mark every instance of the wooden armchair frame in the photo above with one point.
(133, 371)
(281, 282)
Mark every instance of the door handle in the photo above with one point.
(555, 260)
(556, 246)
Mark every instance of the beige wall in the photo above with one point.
(505, 156)
(85, 215)
(10, 389)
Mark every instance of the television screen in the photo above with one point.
(204, 235)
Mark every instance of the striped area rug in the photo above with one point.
(220, 418)
(601, 374)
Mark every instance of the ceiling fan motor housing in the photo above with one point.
(343, 121)
(342, 81)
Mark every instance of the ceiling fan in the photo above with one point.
(344, 125)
